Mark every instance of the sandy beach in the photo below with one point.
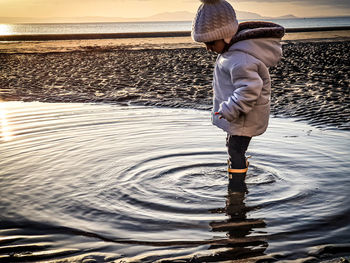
(311, 82)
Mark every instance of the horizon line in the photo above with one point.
(140, 20)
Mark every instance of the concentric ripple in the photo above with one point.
(110, 183)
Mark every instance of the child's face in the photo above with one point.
(217, 46)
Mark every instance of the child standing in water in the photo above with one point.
(241, 80)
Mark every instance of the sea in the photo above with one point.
(137, 27)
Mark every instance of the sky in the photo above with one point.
(145, 8)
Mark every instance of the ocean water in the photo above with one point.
(93, 28)
(105, 183)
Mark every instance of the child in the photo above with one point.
(241, 81)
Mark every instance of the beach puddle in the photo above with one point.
(105, 183)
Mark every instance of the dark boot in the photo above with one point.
(237, 177)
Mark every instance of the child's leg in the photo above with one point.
(237, 164)
(236, 147)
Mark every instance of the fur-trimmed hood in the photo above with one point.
(259, 39)
(252, 30)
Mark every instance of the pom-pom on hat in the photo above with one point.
(215, 19)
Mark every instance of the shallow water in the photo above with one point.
(99, 182)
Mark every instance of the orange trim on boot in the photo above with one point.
(237, 171)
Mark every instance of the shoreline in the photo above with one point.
(48, 37)
(310, 83)
(146, 43)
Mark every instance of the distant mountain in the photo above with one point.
(286, 17)
(188, 16)
(168, 16)
(242, 15)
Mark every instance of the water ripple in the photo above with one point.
(110, 183)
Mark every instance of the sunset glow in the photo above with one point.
(5, 29)
(6, 133)
(119, 9)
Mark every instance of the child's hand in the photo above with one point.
(220, 115)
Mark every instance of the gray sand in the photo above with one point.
(311, 82)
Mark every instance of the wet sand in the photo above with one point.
(311, 82)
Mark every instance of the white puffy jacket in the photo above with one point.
(241, 82)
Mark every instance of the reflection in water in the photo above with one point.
(82, 182)
(5, 29)
(5, 127)
(242, 242)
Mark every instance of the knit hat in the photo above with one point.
(215, 19)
